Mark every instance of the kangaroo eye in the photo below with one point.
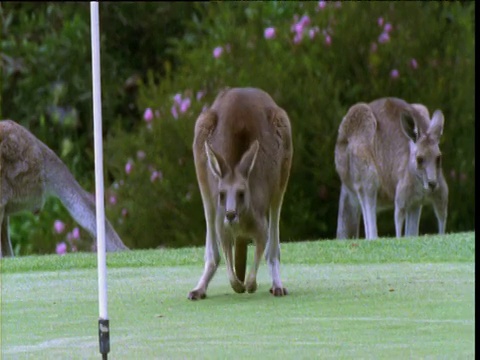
(222, 196)
(420, 160)
(241, 195)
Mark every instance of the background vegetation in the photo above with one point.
(162, 63)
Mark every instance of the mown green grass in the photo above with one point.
(384, 299)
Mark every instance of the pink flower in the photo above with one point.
(128, 167)
(383, 38)
(322, 4)
(76, 233)
(200, 95)
(313, 31)
(217, 52)
(380, 21)
(304, 21)
(148, 115)
(269, 33)
(156, 175)
(298, 28)
(394, 74)
(59, 226)
(141, 154)
(297, 38)
(61, 248)
(112, 199)
(328, 40)
(178, 98)
(174, 112)
(185, 105)
(388, 27)
(413, 64)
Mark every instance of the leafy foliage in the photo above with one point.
(316, 60)
(167, 61)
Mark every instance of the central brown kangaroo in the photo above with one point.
(243, 153)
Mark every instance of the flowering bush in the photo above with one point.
(316, 59)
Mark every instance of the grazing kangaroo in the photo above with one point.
(243, 152)
(387, 152)
(29, 172)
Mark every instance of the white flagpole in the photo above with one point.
(103, 323)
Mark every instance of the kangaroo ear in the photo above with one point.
(436, 125)
(247, 162)
(422, 109)
(215, 162)
(409, 126)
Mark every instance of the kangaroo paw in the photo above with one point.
(278, 291)
(251, 286)
(237, 286)
(196, 295)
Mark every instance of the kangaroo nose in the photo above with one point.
(231, 215)
(432, 184)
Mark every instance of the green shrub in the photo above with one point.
(427, 57)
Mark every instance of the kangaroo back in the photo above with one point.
(356, 134)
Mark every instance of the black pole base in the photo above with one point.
(104, 337)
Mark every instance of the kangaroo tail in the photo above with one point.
(355, 136)
(241, 248)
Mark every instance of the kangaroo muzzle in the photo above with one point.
(230, 216)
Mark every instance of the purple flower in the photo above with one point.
(148, 115)
(388, 27)
(61, 248)
(322, 4)
(174, 112)
(383, 38)
(269, 33)
(185, 105)
(217, 52)
(59, 226)
(112, 199)
(380, 21)
(128, 167)
(394, 74)
(413, 64)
